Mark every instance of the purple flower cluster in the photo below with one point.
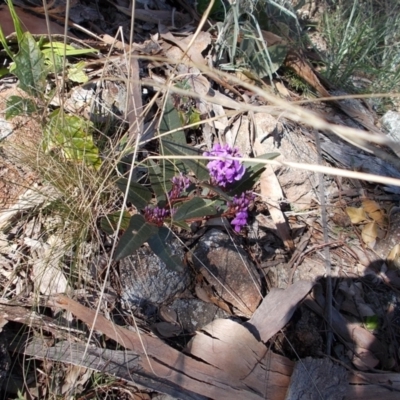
(156, 215)
(179, 184)
(224, 171)
(239, 206)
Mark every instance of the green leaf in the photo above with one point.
(138, 232)
(109, 223)
(160, 245)
(265, 66)
(16, 21)
(77, 74)
(161, 179)
(181, 224)
(17, 105)
(5, 45)
(3, 70)
(170, 121)
(197, 166)
(72, 136)
(372, 322)
(60, 49)
(138, 195)
(262, 61)
(30, 67)
(194, 208)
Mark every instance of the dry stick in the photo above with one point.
(324, 224)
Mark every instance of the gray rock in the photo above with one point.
(193, 314)
(146, 279)
(298, 185)
(228, 269)
(391, 123)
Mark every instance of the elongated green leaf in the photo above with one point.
(137, 233)
(109, 223)
(160, 177)
(265, 64)
(194, 208)
(138, 195)
(160, 244)
(30, 67)
(60, 49)
(16, 20)
(4, 43)
(171, 121)
(197, 166)
(17, 105)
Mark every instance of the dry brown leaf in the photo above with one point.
(364, 360)
(369, 232)
(194, 52)
(203, 293)
(167, 330)
(34, 25)
(168, 314)
(370, 206)
(356, 215)
(271, 39)
(281, 88)
(305, 71)
(375, 212)
(75, 376)
(379, 217)
(141, 396)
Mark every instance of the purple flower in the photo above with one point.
(239, 206)
(156, 215)
(179, 184)
(224, 171)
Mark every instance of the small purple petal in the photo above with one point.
(224, 171)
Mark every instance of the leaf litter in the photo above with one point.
(287, 213)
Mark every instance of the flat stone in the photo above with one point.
(228, 269)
